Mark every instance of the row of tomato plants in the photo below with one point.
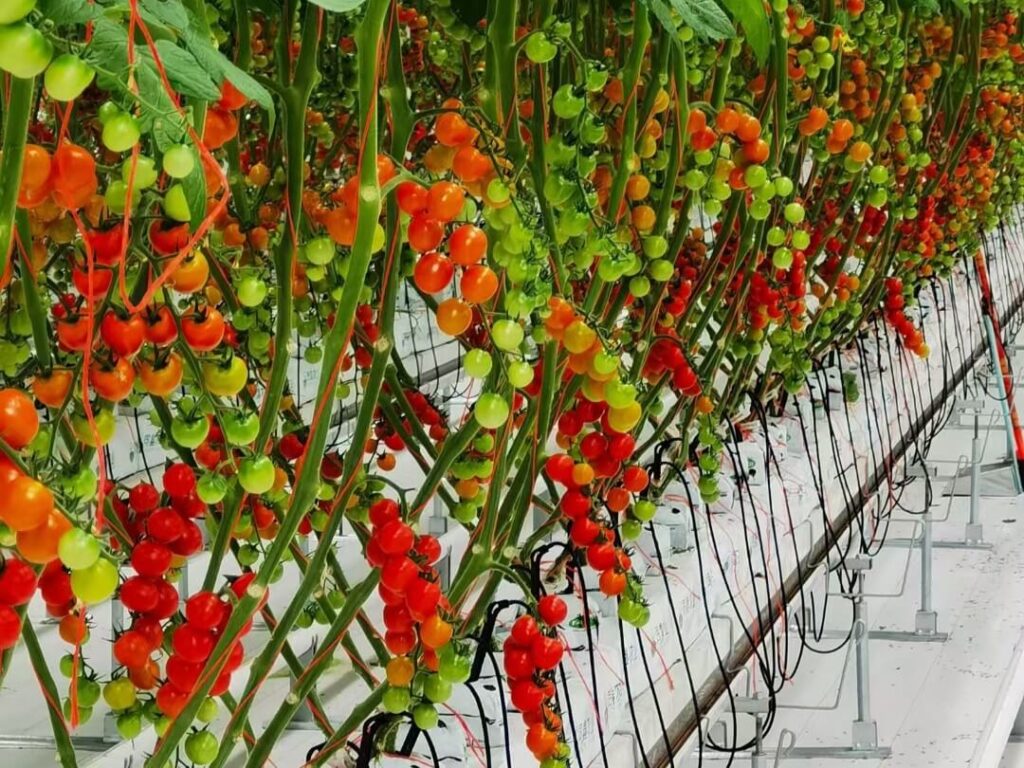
(629, 215)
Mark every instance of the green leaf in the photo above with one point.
(169, 12)
(220, 67)
(664, 16)
(158, 113)
(339, 6)
(752, 16)
(705, 18)
(195, 193)
(68, 11)
(185, 73)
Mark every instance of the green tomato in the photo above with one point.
(694, 179)
(84, 483)
(619, 395)
(78, 549)
(633, 612)
(319, 251)
(794, 213)
(878, 174)
(639, 286)
(425, 716)
(96, 583)
(251, 291)
(211, 488)
(507, 334)
(520, 374)
(597, 77)
(631, 530)
(776, 236)
(120, 693)
(248, 555)
(568, 101)
(801, 239)
(67, 76)
(464, 512)
(107, 110)
(396, 700)
(129, 725)
(88, 692)
(190, 432)
(436, 689)
(105, 423)
(783, 186)
(782, 258)
(644, 510)
(146, 174)
(755, 176)
(176, 204)
(453, 666)
(15, 10)
(240, 427)
(67, 664)
(179, 161)
(225, 380)
(208, 710)
(201, 747)
(760, 210)
(116, 196)
(24, 50)
(539, 49)
(121, 133)
(478, 363)
(661, 270)
(491, 410)
(256, 474)
(84, 713)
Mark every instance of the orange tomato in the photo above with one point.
(39, 545)
(478, 284)
(26, 504)
(454, 316)
(191, 275)
(19, 421)
(52, 389)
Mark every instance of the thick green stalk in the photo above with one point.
(33, 304)
(630, 82)
(293, 122)
(61, 735)
(19, 112)
(306, 683)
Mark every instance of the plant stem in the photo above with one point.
(19, 112)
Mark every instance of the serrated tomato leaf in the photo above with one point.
(751, 15)
(706, 18)
(185, 72)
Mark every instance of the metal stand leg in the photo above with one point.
(864, 730)
(926, 619)
(973, 533)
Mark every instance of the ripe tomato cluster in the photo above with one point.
(532, 652)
